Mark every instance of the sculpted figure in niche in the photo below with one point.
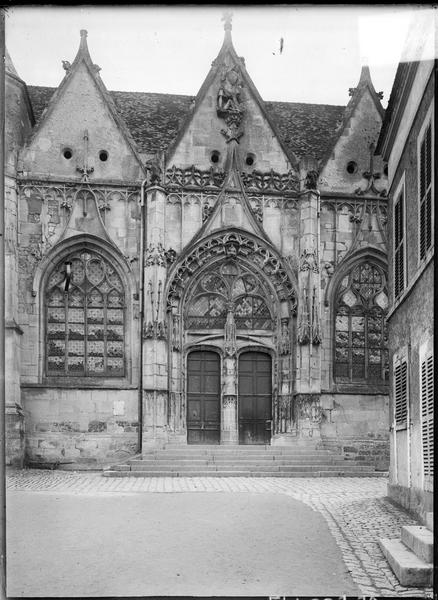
(229, 376)
(229, 93)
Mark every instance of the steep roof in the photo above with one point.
(154, 119)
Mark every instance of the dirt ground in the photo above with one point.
(201, 544)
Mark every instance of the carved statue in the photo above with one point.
(229, 386)
(312, 180)
(229, 93)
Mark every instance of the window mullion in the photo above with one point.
(105, 326)
(365, 344)
(66, 318)
(350, 347)
(85, 334)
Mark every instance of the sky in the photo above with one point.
(170, 49)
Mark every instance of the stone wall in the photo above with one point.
(82, 426)
(357, 425)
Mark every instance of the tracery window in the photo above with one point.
(361, 341)
(229, 287)
(85, 318)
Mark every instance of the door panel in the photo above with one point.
(255, 398)
(203, 398)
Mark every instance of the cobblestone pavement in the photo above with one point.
(356, 510)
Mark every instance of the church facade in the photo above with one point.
(192, 271)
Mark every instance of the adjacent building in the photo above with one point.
(194, 270)
(407, 143)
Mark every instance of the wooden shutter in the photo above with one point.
(427, 415)
(399, 253)
(401, 392)
(426, 192)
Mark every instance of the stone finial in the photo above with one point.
(83, 44)
(227, 19)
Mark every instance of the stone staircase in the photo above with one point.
(411, 556)
(242, 461)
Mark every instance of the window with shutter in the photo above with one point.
(401, 392)
(426, 194)
(399, 246)
(427, 415)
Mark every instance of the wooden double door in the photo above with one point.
(204, 398)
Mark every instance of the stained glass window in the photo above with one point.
(361, 353)
(229, 287)
(85, 318)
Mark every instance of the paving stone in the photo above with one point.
(355, 509)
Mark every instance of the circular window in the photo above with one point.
(103, 155)
(215, 156)
(250, 159)
(351, 167)
(67, 153)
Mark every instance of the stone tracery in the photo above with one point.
(225, 245)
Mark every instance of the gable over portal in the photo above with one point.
(208, 128)
(79, 128)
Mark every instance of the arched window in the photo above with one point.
(229, 287)
(85, 317)
(361, 353)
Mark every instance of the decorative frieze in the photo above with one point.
(193, 177)
(271, 181)
(256, 181)
(62, 195)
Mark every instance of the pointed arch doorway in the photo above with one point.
(255, 398)
(203, 397)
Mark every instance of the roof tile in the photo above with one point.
(154, 120)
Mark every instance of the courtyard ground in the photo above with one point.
(80, 534)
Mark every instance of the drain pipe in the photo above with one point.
(143, 225)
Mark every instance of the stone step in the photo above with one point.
(238, 450)
(171, 467)
(304, 474)
(239, 455)
(408, 568)
(429, 520)
(165, 462)
(419, 539)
